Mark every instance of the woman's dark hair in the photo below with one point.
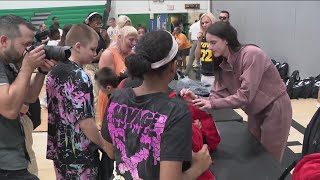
(54, 34)
(93, 17)
(226, 32)
(151, 48)
(142, 27)
(65, 30)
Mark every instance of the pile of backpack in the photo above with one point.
(297, 88)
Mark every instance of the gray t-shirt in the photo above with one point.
(12, 144)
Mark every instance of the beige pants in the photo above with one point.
(28, 129)
(271, 126)
(92, 69)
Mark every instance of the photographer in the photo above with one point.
(16, 88)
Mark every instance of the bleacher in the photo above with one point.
(66, 15)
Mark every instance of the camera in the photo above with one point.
(57, 53)
(39, 36)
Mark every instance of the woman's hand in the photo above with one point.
(202, 104)
(200, 36)
(188, 95)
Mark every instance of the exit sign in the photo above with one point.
(192, 6)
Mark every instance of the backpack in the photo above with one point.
(295, 75)
(283, 70)
(308, 86)
(315, 89)
(303, 88)
(311, 142)
(276, 64)
(289, 82)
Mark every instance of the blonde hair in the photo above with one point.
(81, 33)
(123, 20)
(127, 31)
(212, 18)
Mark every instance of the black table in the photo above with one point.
(240, 156)
(219, 115)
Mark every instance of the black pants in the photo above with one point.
(106, 167)
(17, 175)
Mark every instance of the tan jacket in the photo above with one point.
(249, 80)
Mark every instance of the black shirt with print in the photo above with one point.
(146, 130)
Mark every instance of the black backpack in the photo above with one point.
(295, 75)
(315, 89)
(283, 70)
(276, 64)
(308, 86)
(303, 88)
(289, 82)
(311, 141)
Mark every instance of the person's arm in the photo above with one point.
(197, 52)
(107, 60)
(97, 57)
(253, 70)
(37, 82)
(82, 104)
(89, 128)
(35, 87)
(173, 169)
(106, 134)
(13, 95)
(176, 147)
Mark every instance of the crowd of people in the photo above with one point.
(145, 132)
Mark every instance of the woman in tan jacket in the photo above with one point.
(246, 78)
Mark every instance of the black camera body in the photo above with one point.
(39, 36)
(57, 53)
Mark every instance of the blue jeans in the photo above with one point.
(17, 175)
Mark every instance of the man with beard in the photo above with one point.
(17, 88)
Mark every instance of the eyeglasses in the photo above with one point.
(222, 18)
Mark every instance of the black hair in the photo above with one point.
(140, 26)
(53, 32)
(226, 32)
(94, 17)
(224, 11)
(53, 18)
(112, 18)
(152, 47)
(178, 28)
(65, 31)
(9, 25)
(200, 15)
(106, 76)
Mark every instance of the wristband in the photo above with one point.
(41, 71)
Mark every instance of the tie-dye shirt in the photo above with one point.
(146, 130)
(70, 100)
